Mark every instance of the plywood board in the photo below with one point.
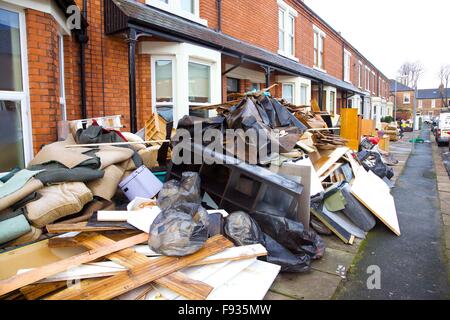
(252, 283)
(326, 162)
(350, 127)
(20, 280)
(374, 194)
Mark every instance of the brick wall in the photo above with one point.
(43, 74)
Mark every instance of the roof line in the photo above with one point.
(338, 34)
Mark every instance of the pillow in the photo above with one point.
(58, 201)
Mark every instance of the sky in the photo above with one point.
(391, 32)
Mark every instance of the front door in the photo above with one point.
(15, 143)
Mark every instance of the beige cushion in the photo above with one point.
(70, 157)
(131, 137)
(58, 201)
(112, 155)
(106, 187)
(31, 186)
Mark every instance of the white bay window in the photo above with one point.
(183, 76)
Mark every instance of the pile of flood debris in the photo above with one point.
(164, 215)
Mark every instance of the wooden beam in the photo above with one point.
(20, 280)
(140, 275)
(78, 227)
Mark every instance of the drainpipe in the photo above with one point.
(219, 15)
(83, 39)
(132, 40)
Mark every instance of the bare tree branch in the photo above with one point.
(411, 71)
(444, 77)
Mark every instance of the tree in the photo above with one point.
(444, 77)
(411, 71)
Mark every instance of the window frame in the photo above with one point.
(292, 85)
(360, 74)
(367, 76)
(174, 7)
(22, 96)
(155, 104)
(406, 98)
(319, 62)
(347, 65)
(433, 103)
(289, 14)
(306, 87)
(210, 65)
(62, 80)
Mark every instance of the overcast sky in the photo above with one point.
(390, 32)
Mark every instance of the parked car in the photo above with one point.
(443, 129)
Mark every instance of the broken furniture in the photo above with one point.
(237, 186)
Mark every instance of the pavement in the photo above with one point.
(329, 273)
(414, 265)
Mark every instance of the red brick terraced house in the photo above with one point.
(431, 102)
(403, 98)
(129, 57)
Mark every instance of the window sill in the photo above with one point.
(319, 69)
(289, 56)
(178, 12)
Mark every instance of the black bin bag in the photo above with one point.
(181, 227)
(291, 234)
(243, 230)
(175, 192)
(176, 233)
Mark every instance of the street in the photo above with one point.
(413, 266)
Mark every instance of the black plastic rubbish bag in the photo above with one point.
(291, 234)
(372, 161)
(243, 230)
(176, 192)
(177, 233)
(289, 262)
(355, 210)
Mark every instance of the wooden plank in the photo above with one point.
(176, 281)
(114, 144)
(333, 168)
(142, 274)
(86, 271)
(35, 291)
(78, 227)
(326, 162)
(20, 280)
(374, 194)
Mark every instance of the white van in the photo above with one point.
(443, 129)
